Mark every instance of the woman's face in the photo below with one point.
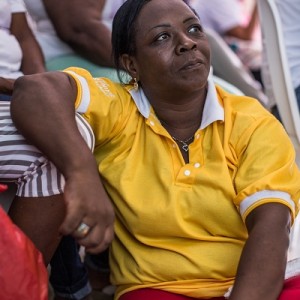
(171, 48)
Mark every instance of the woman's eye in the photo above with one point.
(195, 29)
(162, 37)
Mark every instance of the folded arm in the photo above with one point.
(43, 110)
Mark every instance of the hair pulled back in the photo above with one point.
(124, 30)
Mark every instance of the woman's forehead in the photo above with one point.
(159, 5)
(156, 11)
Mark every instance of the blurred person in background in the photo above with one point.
(19, 51)
(289, 12)
(239, 28)
(81, 37)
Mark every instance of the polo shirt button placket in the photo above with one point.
(197, 165)
(187, 172)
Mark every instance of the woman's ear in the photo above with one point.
(129, 64)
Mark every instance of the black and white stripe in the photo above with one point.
(24, 164)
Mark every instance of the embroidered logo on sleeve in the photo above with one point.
(104, 87)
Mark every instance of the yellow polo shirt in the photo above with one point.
(180, 227)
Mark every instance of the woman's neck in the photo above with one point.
(183, 117)
(181, 124)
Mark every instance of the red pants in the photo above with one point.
(153, 294)
(290, 291)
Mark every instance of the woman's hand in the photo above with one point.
(87, 202)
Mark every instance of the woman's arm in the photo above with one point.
(262, 265)
(33, 60)
(43, 110)
(81, 28)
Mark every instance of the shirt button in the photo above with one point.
(151, 123)
(187, 172)
(174, 145)
(198, 136)
(197, 165)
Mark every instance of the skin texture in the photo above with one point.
(33, 60)
(45, 226)
(262, 265)
(172, 64)
(81, 28)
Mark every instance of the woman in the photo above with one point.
(204, 196)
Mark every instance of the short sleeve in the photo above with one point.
(17, 6)
(106, 105)
(266, 171)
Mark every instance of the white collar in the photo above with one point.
(213, 111)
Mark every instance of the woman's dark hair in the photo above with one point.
(124, 30)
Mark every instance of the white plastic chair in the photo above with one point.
(280, 76)
(283, 90)
(230, 88)
(227, 65)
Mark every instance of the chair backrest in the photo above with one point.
(228, 87)
(227, 65)
(283, 90)
(280, 76)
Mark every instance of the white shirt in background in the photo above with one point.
(52, 46)
(10, 50)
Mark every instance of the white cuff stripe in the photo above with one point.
(249, 201)
(85, 97)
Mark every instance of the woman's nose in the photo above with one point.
(185, 43)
